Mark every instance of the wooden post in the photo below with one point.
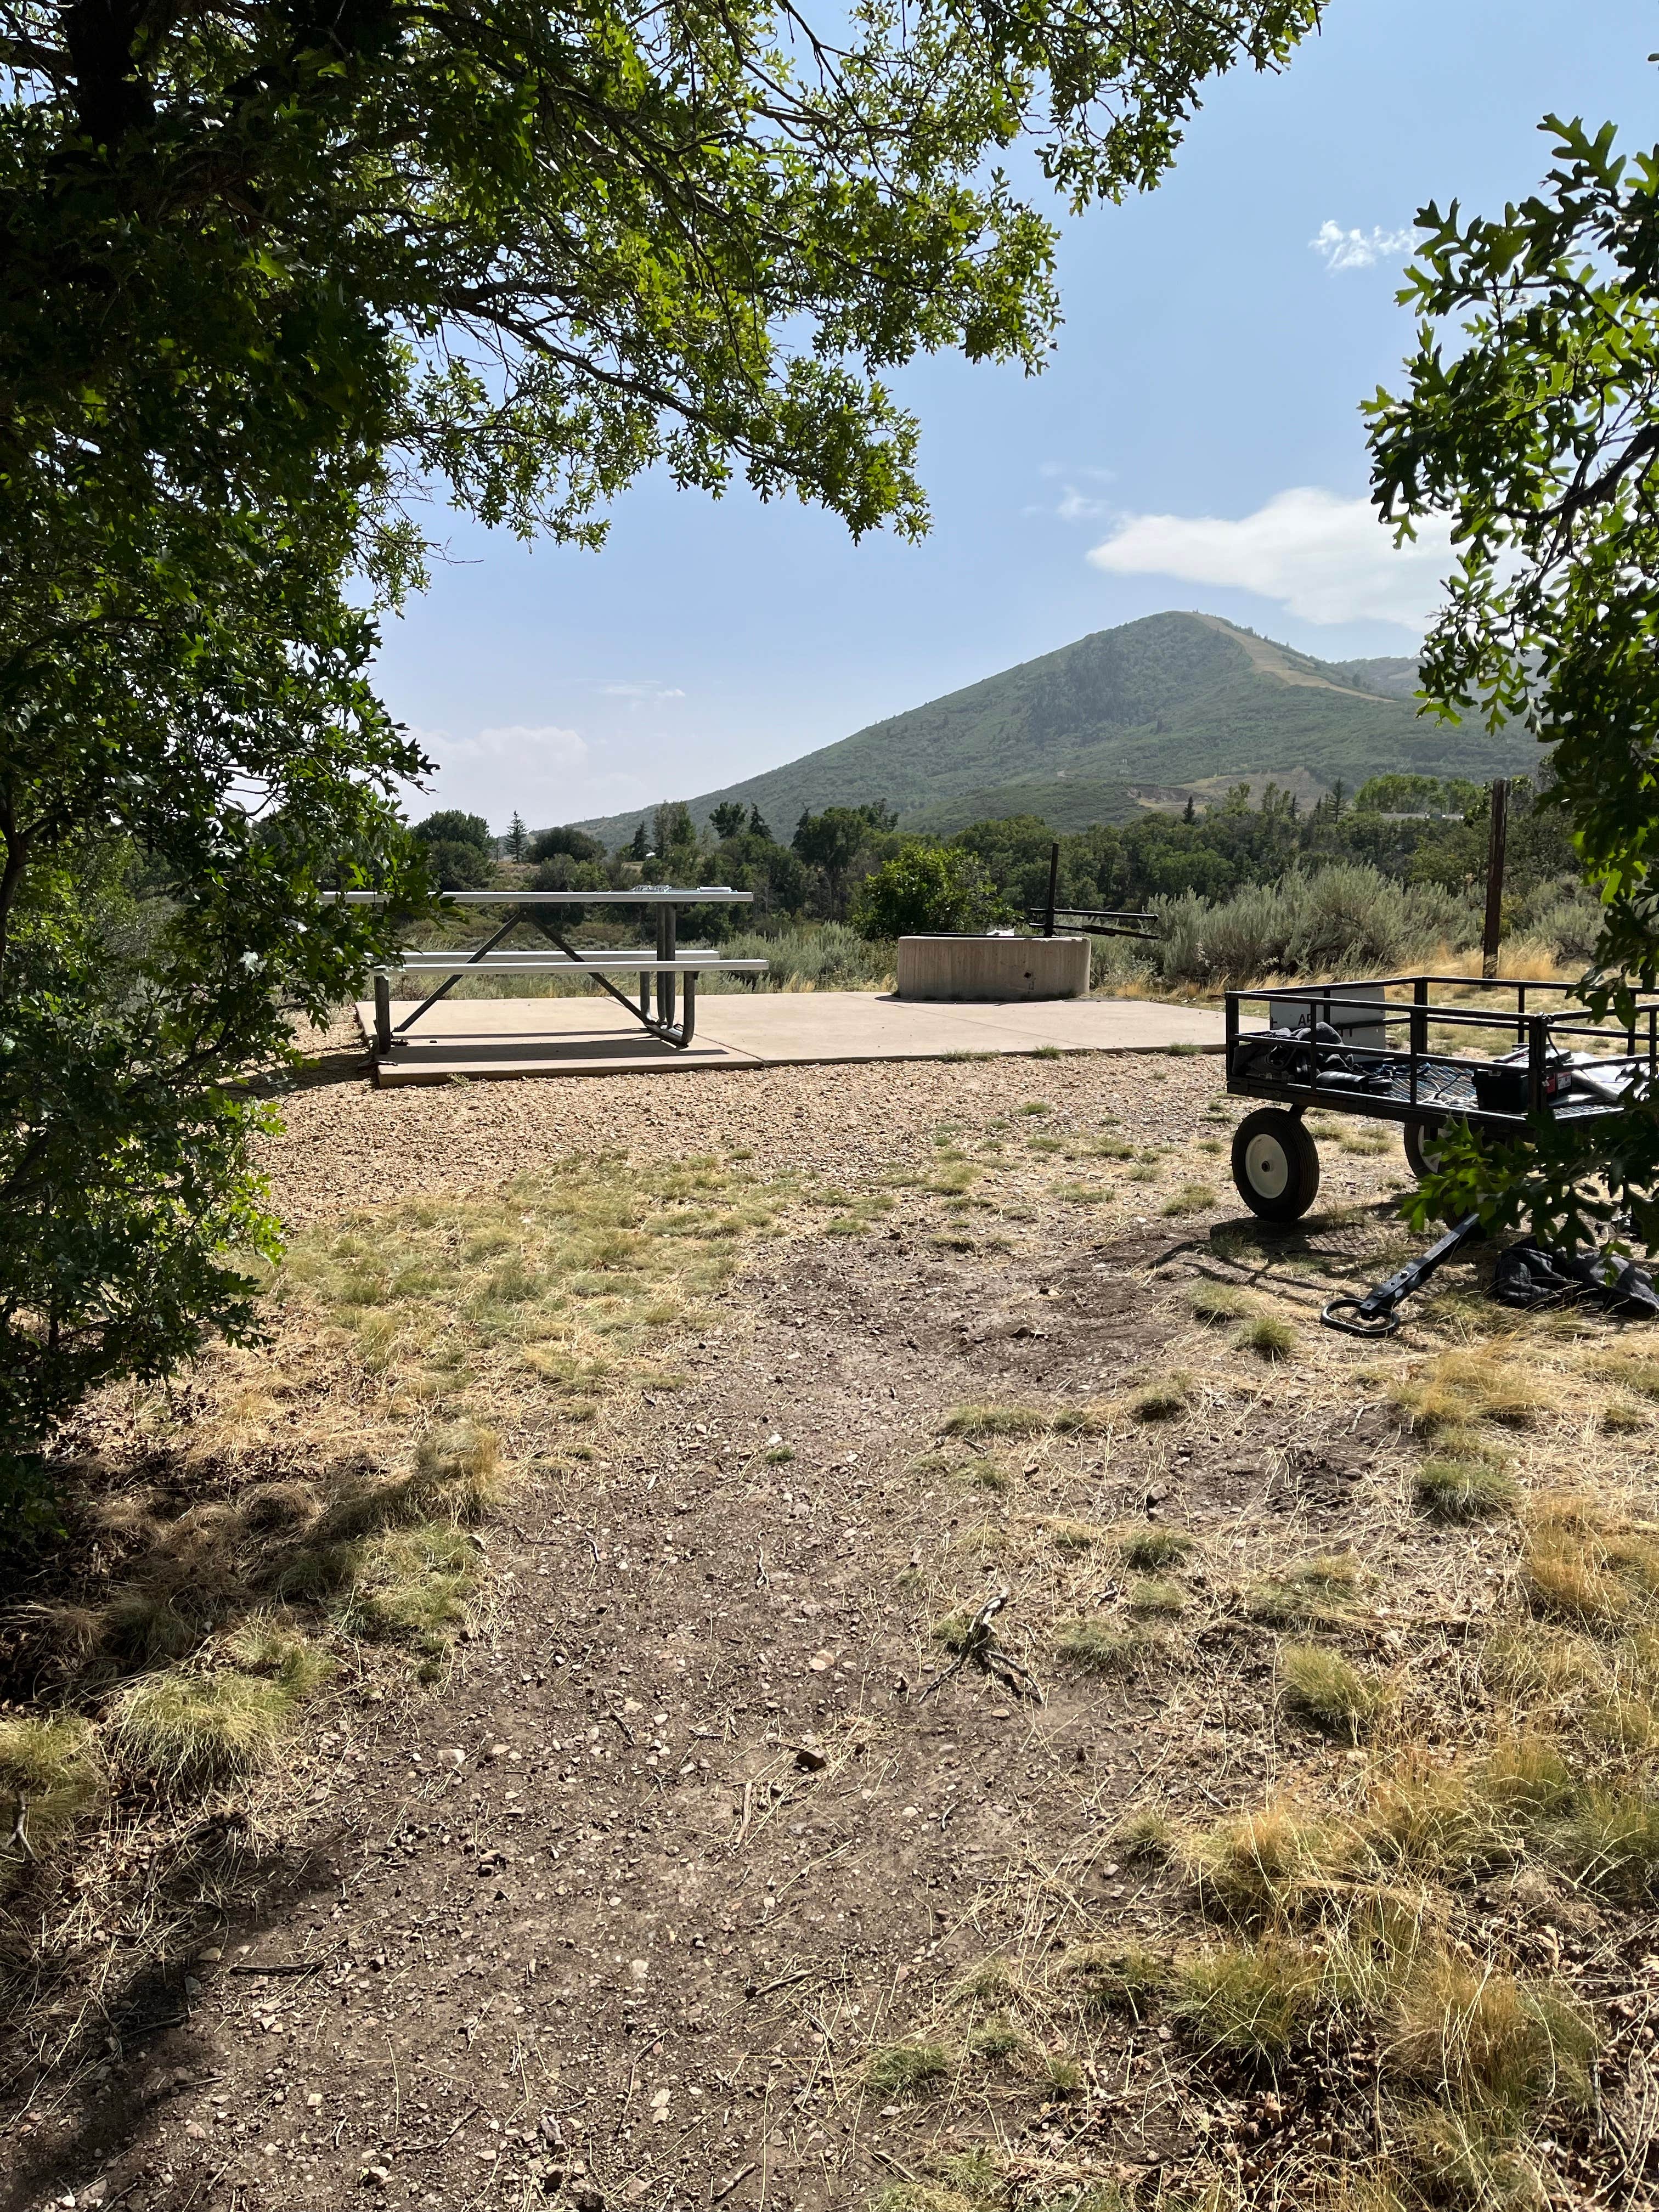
(1054, 885)
(1500, 811)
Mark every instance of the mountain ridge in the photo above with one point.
(1169, 701)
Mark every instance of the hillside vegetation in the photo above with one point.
(1073, 736)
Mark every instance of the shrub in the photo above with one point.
(927, 887)
(573, 844)
(1565, 915)
(459, 866)
(1345, 917)
(449, 826)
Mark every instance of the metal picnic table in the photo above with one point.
(663, 965)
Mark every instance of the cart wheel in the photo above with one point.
(1422, 1149)
(1275, 1164)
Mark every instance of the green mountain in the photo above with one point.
(1124, 718)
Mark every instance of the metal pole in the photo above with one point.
(1500, 811)
(382, 1014)
(1054, 885)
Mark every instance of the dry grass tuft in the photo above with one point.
(1156, 1599)
(49, 1771)
(1320, 1592)
(1147, 1838)
(1320, 1686)
(1246, 2000)
(1579, 1569)
(1149, 1547)
(1072, 1536)
(200, 1730)
(1163, 1400)
(1462, 1387)
(1270, 1336)
(1478, 2037)
(907, 2069)
(1191, 1198)
(990, 1981)
(1255, 1868)
(996, 1421)
(1612, 1843)
(1218, 1303)
(1464, 1490)
(1465, 2161)
(1101, 1649)
(1127, 1978)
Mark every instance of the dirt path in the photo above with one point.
(620, 1914)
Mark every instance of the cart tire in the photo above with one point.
(1422, 1151)
(1275, 1164)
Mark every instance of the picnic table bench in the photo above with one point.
(663, 968)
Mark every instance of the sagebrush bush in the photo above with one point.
(1564, 914)
(1348, 917)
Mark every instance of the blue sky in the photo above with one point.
(1195, 442)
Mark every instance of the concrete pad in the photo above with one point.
(487, 1038)
(808, 1027)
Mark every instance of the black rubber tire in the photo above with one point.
(1419, 1147)
(1275, 1164)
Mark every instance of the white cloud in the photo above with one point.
(640, 693)
(1324, 559)
(1358, 249)
(1081, 506)
(537, 749)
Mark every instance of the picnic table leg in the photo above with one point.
(382, 1014)
(667, 937)
(645, 998)
(689, 1020)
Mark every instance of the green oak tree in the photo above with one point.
(1531, 418)
(274, 274)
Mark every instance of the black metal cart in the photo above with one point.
(1400, 1048)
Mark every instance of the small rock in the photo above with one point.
(810, 1756)
(374, 2177)
(451, 1758)
(499, 1750)
(552, 2133)
(586, 2198)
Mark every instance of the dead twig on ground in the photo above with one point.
(981, 1649)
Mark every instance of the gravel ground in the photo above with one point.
(349, 1144)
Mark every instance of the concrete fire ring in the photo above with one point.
(993, 968)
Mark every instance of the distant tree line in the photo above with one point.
(853, 863)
